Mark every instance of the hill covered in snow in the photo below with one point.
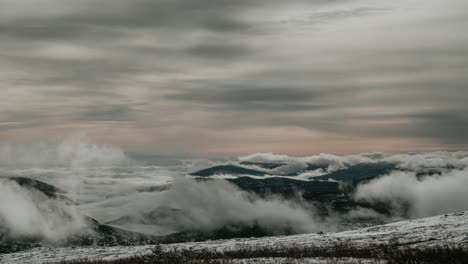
(448, 229)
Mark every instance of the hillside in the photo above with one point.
(426, 233)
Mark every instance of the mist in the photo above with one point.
(27, 213)
(214, 204)
(110, 187)
(419, 197)
(72, 152)
(405, 161)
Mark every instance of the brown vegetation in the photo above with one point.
(392, 254)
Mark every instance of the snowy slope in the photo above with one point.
(450, 228)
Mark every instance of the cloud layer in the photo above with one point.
(224, 77)
(108, 185)
(26, 213)
(418, 198)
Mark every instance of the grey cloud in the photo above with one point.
(107, 113)
(450, 127)
(110, 16)
(92, 60)
(246, 98)
(221, 50)
(335, 15)
(31, 31)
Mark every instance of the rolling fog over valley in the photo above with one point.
(59, 191)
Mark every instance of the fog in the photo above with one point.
(406, 161)
(214, 204)
(26, 213)
(209, 205)
(67, 164)
(431, 195)
(111, 187)
(72, 152)
(108, 185)
(408, 194)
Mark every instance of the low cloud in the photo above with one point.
(416, 161)
(418, 197)
(109, 186)
(214, 204)
(73, 152)
(26, 213)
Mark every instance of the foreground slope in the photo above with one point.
(448, 228)
(421, 233)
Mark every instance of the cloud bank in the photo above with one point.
(415, 161)
(410, 196)
(108, 186)
(29, 214)
(212, 205)
(73, 152)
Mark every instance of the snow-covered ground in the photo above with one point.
(306, 261)
(449, 228)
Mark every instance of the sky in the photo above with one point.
(225, 77)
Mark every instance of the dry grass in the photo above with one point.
(392, 254)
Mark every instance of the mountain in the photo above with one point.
(47, 189)
(264, 165)
(359, 172)
(106, 235)
(159, 216)
(226, 232)
(287, 187)
(229, 170)
(310, 167)
(354, 173)
(269, 167)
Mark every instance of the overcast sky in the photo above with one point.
(228, 77)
